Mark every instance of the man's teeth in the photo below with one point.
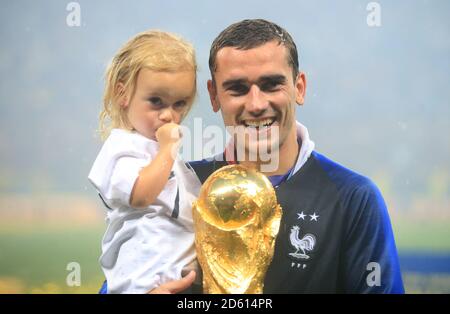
(259, 123)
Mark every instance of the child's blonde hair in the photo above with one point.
(154, 50)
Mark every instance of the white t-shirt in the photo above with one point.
(143, 248)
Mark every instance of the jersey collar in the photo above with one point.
(306, 148)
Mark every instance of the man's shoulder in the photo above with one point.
(354, 191)
(340, 175)
(205, 167)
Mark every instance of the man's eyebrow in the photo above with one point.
(229, 83)
(274, 78)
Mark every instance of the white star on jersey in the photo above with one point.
(301, 216)
(314, 217)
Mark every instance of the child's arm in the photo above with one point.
(153, 177)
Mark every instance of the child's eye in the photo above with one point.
(156, 101)
(180, 104)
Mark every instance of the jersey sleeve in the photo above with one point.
(370, 257)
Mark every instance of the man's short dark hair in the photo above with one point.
(248, 34)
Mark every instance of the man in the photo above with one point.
(335, 235)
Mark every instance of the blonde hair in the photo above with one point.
(155, 50)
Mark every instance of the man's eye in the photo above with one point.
(270, 86)
(156, 101)
(238, 90)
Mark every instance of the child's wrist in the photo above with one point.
(170, 148)
(167, 145)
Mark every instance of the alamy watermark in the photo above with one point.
(374, 17)
(73, 279)
(244, 144)
(374, 277)
(73, 19)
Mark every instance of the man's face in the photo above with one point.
(255, 89)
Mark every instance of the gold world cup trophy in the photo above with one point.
(237, 219)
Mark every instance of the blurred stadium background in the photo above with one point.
(377, 102)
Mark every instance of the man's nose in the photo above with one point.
(257, 102)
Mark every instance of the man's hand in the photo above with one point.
(175, 286)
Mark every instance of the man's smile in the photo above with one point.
(260, 123)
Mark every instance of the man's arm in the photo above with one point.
(370, 256)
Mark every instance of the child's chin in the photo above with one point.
(150, 136)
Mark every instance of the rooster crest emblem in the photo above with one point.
(305, 244)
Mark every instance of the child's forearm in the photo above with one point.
(152, 179)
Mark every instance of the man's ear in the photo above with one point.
(213, 96)
(122, 95)
(300, 88)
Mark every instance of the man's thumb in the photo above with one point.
(183, 283)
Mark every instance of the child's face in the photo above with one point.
(160, 98)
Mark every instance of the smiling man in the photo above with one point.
(258, 90)
(335, 234)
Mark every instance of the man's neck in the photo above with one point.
(287, 157)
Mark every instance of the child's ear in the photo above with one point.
(122, 95)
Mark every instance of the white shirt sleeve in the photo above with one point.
(116, 169)
(124, 175)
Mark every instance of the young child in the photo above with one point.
(150, 87)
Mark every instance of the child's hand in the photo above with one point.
(168, 134)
